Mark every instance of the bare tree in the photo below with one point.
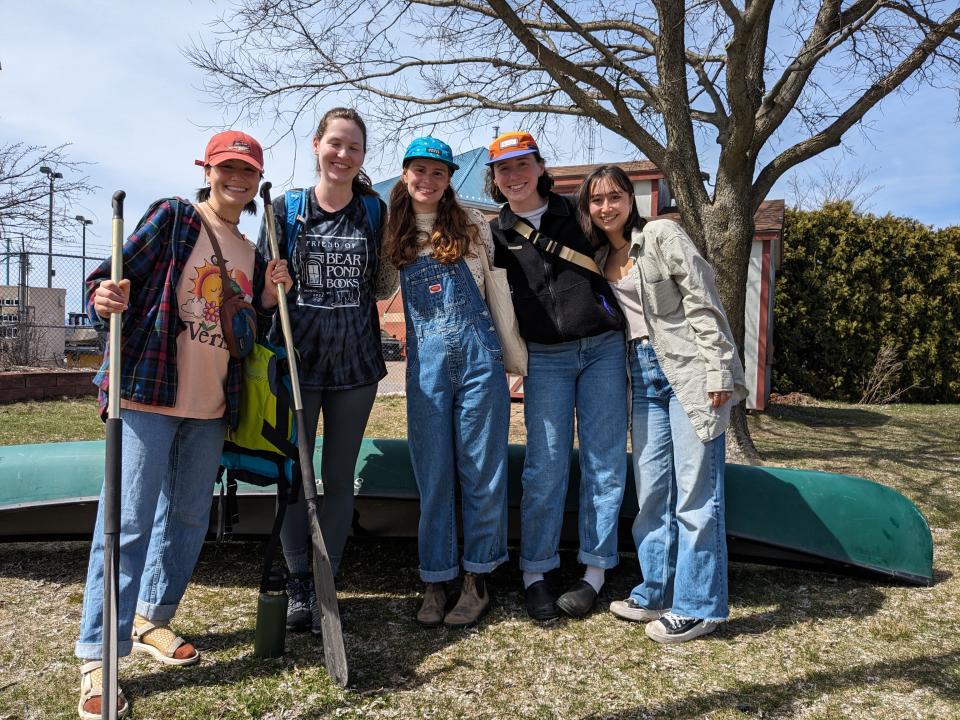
(25, 191)
(774, 84)
(832, 183)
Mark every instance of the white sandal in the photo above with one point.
(91, 686)
(160, 641)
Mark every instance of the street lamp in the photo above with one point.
(53, 176)
(83, 260)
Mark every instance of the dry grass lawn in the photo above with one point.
(798, 644)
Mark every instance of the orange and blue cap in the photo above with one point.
(510, 145)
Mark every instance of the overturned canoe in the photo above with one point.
(778, 516)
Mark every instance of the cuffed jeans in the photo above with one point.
(169, 465)
(589, 377)
(679, 530)
(458, 417)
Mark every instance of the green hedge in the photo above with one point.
(852, 282)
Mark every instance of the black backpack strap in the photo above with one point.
(271, 547)
(278, 435)
(227, 510)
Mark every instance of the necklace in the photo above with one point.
(214, 211)
(619, 249)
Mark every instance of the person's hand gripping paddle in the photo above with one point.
(334, 654)
(111, 482)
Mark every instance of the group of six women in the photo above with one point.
(621, 321)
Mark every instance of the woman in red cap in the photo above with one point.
(574, 331)
(179, 390)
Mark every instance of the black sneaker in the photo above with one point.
(301, 602)
(672, 628)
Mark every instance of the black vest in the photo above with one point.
(555, 300)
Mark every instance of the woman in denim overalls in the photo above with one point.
(458, 404)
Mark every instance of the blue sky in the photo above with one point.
(109, 78)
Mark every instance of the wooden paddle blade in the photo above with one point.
(334, 653)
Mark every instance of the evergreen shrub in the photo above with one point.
(851, 284)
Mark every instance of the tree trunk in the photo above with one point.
(728, 237)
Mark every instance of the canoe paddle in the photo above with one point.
(334, 655)
(111, 484)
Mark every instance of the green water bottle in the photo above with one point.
(271, 632)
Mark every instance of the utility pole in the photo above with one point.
(53, 176)
(83, 261)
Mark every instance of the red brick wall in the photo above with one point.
(18, 386)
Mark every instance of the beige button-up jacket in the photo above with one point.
(688, 328)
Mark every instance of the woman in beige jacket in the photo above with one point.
(685, 374)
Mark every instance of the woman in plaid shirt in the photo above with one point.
(179, 388)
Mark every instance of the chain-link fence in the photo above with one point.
(43, 322)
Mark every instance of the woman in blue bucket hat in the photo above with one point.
(458, 404)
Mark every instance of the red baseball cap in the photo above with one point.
(512, 144)
(233, 145)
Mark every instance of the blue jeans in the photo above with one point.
(679, 531)
(589, 377)
(458, 416)
(168, 469)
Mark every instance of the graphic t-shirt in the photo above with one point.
(202, 354)
(333, 312)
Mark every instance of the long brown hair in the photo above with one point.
(452, 235)
(361, 184)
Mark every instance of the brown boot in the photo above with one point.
(434, 603)
(472, 604)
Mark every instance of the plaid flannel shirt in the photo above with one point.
(154, 257)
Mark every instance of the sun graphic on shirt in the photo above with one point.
(206, 291)
(207, 287)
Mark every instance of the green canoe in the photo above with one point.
(777, 516)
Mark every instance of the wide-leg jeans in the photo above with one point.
(169, 465)
(458, 413)
(586, 377)
(679, 531)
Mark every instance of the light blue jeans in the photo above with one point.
(168, 469)
(679, 530)
(589, 377)
(458, 416)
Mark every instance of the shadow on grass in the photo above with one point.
(912, 454)
(926, 672)
(815, 416)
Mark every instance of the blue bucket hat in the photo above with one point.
(431, 149)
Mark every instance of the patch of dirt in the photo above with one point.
(794, 398)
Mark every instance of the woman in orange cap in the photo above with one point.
(573, 327)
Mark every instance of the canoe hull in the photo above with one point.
(776, 516)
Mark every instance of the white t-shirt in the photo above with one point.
(534, 216)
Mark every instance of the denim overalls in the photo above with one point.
(458, 411)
